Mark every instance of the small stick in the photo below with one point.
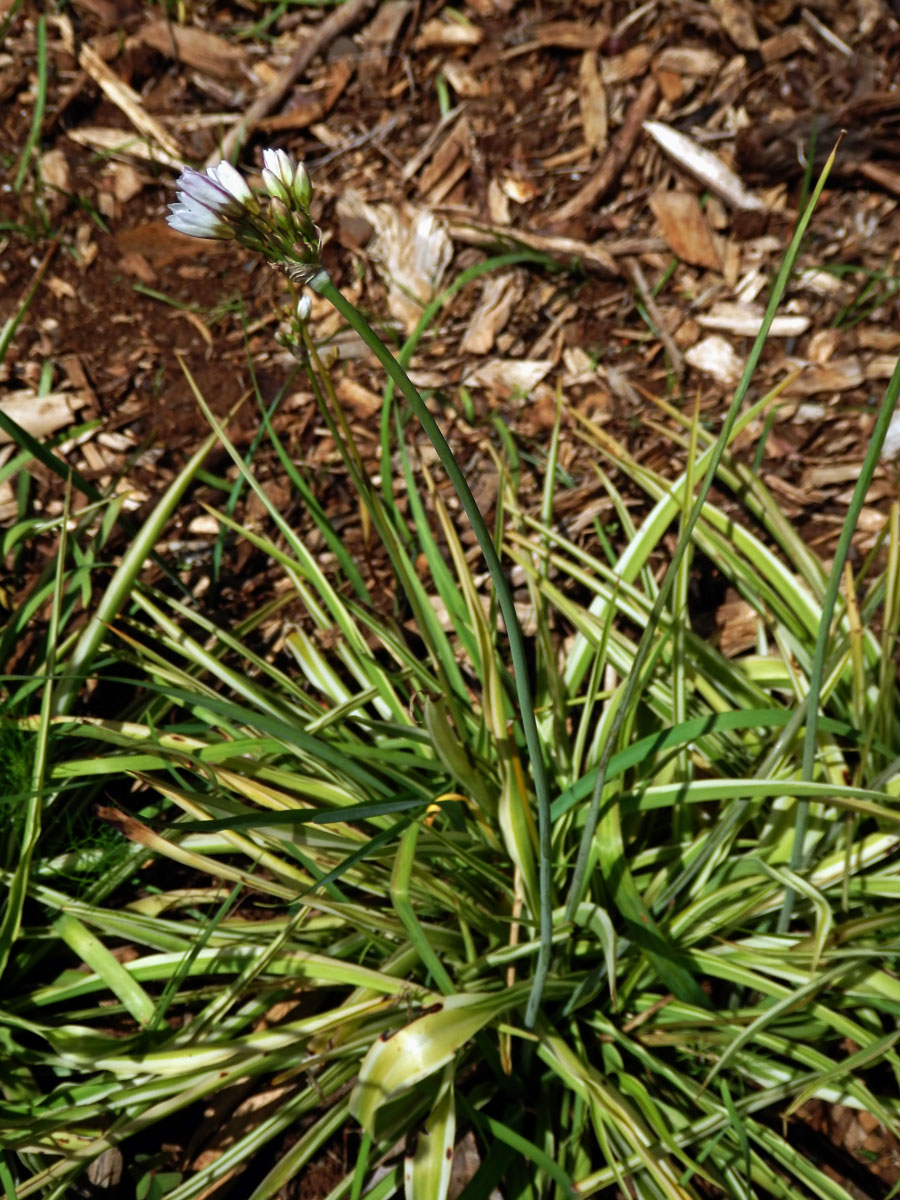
(634, 270)
(616, 156)
(270, 97)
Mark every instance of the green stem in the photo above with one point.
(322, 284)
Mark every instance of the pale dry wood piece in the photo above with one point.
(362, 401)
(870, 13)
(447, 32)
(784, 45)
(384, 27)
(619, 68)
(737, 22)
(836, 376)
(592, 103)
(122, 144)
(463, 81)
(507, 375)
(445, 155)
(55, 169)
(500, 294)
(874, 338)
(342, 18)
(634, 270)
(125, 98)
(617, 155)
(198, 48)
(685, 228)
(689, 60)
(890, 451)
(572, 35)
(827, 36)
(40, 415)
(745, 320)
(498, 203)
(716, 357)
(479, 233)
(703, 165)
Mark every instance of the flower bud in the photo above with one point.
(304, 307)
(302, 187)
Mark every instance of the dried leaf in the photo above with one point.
(685, 228)
(412, 249)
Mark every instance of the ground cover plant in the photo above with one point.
(329, 894)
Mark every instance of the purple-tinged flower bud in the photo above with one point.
(195, 220)
(234, 183)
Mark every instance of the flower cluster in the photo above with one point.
(221, 205)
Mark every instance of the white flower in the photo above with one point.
(304, 307)
(234, 183)
(197, 221)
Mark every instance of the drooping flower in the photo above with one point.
(221, 204)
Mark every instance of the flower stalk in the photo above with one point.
(221, 205)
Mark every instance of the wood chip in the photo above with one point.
(737, 22)
(122, 144)
(745, 320)
(592, 103)
(500, 294)
(685, 228)
(507, 376)
(836, 376)
(384, 27)
(616, 156)
(198, 48)
(125, 98)
(572, 35)
(442, 31)
(39, 415)
(689, 60)
(783, 45)
(703, 165)
(716, 357)
(619, 68)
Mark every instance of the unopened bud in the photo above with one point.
(304, 307)
(302, 188)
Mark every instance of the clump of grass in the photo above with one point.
(356, 830)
